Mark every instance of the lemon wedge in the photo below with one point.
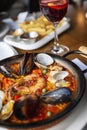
(50, 4)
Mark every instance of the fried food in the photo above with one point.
(40, 25)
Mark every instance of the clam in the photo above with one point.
(56, 76)
(62, 83)
(7, 110)
(0, 103)
(26, 64)
(60, 75)
(25, 107)
(2, 98)
(61, 95)
(43, 60)
(2, 95)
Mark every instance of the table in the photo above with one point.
(74, 37)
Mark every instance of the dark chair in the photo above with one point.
(82, 1)
(72, 2)
(6, 5)
(34, 6)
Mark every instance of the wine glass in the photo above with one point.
(54, 11)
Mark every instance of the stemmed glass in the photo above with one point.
(54, 11)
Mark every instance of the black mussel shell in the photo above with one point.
(61, 95)
(26, 63)
(25, 107)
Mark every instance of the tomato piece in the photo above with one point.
(16, 97)
(35, 71)
(6, 83)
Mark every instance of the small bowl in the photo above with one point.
(30, 37)
(17, 33)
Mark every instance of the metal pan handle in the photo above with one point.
(84, 71)
(75, 52)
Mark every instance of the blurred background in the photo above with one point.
(13, 7)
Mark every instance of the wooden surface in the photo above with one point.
(75, 36)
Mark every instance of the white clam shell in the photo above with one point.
(2, 98)
(56, 75)
(7, 110)
(44, 59)
(60, 75)
(40, 65)
(62, 83)
(2, 95)
(0, 103)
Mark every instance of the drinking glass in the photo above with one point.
(54, 11)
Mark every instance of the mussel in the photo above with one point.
(60, 95)
(26, 106)
(26, 65)
(7, 71)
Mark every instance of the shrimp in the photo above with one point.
(35, 82)
(30, 84)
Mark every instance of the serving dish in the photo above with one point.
(6, 51)
(32, 46)
(75, 70)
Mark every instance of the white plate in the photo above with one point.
(6, 51)
(32, 46)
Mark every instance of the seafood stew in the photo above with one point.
(28, 81)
